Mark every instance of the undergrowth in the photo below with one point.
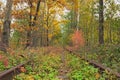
(46, 67)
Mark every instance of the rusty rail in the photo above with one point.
(100, 66)
(8, 74)
(95, 64)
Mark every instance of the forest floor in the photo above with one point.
(55, 63)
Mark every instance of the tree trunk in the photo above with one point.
(101, 21)
(35, 37)
(28, 41)
(110, 32)
(32, 24)
(6, 24)
(47, 32)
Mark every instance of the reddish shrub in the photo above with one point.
(77, 39)
(5, 62)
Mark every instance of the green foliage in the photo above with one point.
(87, 73)
(2, 67)
(48, 68)
(81, 70)
(29, 68)
(66, 30)
(15, 39)
(108, 55)
(44, 68)
(9, 60)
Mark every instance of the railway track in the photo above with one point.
(101, 67)
(96, 65)
(10, 73)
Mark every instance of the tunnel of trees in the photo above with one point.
(34, 29)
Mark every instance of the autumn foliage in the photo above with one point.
(22, 69)
(77, 39)
(4, 60)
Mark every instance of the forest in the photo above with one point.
(59, 39)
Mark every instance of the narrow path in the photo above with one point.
(63, 70)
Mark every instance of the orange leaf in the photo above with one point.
(22, 69)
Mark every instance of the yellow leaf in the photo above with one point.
(50, 36)
(29, 78)
(97, 75)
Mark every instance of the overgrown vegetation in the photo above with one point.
(47, 68)
(10, 60)
(42, 31)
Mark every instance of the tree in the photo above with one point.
(101, 21)
(6, 24)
